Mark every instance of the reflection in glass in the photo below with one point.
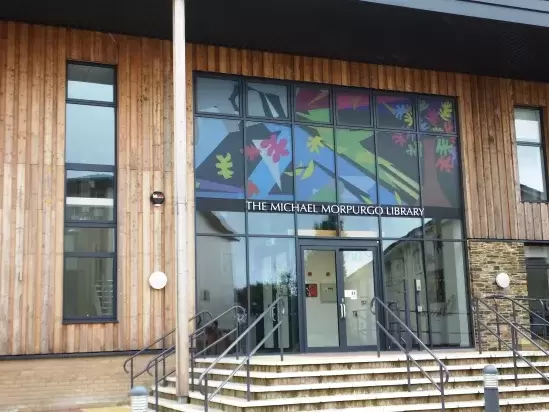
(359, 226)
(86, 82)
(398, 169)
(403, 263)
(268, 153)
(88, 288)
(399, 227)
(358, 266)
(531, 170)
(356, 166)
(216, 222)
(436, 114)
(89, 239)
(527, 125)
(267, 100)
(312, 104)
(317, 225)
(218, 158)
(353, 107)
(440, 171)
(217, 96)
(443, 229)
(272, 274)
(395, 111)
(89, 195)
(90, 134)
(221, 283)
(319, 270)
(447, 293)
(314, 164)
(271, 224)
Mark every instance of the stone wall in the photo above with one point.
(486, 260)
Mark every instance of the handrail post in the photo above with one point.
(206, 400)
(248, 351)
(163, 362)
(543, 315)
(514, 346)
(237, 330)
(476, 313)
(407, 317)
(442, 388)
(378, 330)
(497, 325)
(280, 332)
(131, 373)
(191, 358)
(156, 385)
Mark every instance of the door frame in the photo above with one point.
(336, 245)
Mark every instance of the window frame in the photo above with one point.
(540, 145)
(109, 224)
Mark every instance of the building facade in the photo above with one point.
(323, 180)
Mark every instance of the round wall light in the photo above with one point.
(503, 280)
(158, 280)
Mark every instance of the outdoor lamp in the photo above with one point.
(139, 399)
(491, 393)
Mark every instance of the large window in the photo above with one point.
(296, 143)
(530, 154)
(89, 285)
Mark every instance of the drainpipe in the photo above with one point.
(180, 194)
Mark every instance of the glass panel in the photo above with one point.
(436, 114)
(356, 166)
(90, 83)
(537, 279)
(79, 239)
(219, 160)
(314, 164)
(530, 164)
(89, 195)
(443, 229)
(403, 263)
(398, 168)
(395, 112)
(267, 100)
(221, 284)
(317, 225)
(527, 125)
(217, 96)
(312, 104)
(268, 154)
(88, 288)
(358, 226)
(447, 293)
(272, 274)
(319, 270)
(90, 134)
(440, 171)
(399, 227)
(271, 223)
(223, 223)
(353, 107)
(358, 280)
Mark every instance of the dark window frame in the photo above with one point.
(111, 224)
(540, 145)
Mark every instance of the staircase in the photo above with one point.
(363, 381)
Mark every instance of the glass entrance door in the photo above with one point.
(339, 282)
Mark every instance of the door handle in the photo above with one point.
(343, 310)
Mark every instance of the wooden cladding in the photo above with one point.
(33, 63)
(488, 152)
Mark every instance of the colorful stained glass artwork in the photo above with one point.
(268, 153)
(356, 166)
(312, 104)
(437, 114)
(314, 164)
(353, 108)
(267, 100)
(398, 170)
(217, 96)
(440, 171)
(219, 159)
(395, 111)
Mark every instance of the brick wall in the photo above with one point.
(486, 260)
(61, 384)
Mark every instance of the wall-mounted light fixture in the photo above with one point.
(157, 198)
(503, 280)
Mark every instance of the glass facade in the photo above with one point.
(392, 156)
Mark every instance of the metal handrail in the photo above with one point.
(515, 329)
(444, 372)
(163, 338)
(203, 380)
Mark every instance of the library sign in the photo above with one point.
(319, 208)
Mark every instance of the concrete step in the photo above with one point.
(337, 401)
